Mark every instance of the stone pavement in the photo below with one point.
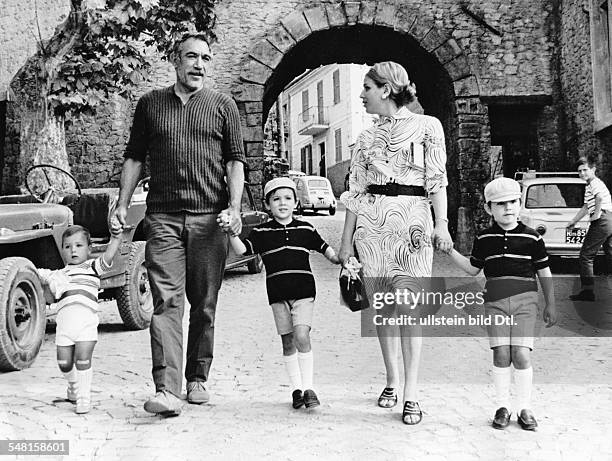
(249, 416)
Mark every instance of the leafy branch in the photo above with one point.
(103, 51)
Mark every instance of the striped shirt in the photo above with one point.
(285, 250)
(77, 284)
(510, 259)
(188, 146)
(596, 187)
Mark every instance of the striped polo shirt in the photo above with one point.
(188, 146)
(596, 187)
(510, 259)
(285, 250)
(81, 282)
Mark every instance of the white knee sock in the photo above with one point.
(293, 370)
(71, 376)
(501, 380)
(524, 381)
(305, 360)
(84, 385)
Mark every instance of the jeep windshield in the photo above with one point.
(558, 195)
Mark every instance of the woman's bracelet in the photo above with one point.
(442, 219)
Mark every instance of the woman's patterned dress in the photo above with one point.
(393, 233)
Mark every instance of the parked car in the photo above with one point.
(31, 228)
(549, 201)
(314, 193)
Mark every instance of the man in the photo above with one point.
(192, 137)
(598, 205)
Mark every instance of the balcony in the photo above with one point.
(313, 121)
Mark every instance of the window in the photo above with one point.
(555, 196)
(601, 59)
(320, 113)
(336, 81)
(305, 105)
(338, 138)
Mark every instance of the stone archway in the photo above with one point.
(309, 37)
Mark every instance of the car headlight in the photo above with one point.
(541, 229)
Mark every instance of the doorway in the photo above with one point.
(322, 166)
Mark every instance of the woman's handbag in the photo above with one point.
(352, 292)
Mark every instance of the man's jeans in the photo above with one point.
(185, 254)
(600, 231)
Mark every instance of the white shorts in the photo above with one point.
(74, 324)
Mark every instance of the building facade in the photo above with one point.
(515, 84)
(323, 115)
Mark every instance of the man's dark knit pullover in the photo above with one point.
(188, 146)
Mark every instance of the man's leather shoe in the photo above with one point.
(502, 418)
(197, 393)
(527, 421)
(584, 295)
(164, 403)
(310, 399)
(298, 399)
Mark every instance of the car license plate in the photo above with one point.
(575, 235)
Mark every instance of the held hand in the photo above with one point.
(235, 222)
(346, 252)
(116, 227)
(441, 239)
(550, 315)
(119, 216)
(224, 220)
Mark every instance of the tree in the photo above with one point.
(95, 53)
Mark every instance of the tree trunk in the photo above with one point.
(43, 141)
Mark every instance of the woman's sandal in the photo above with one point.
(411, 409)
(388, 398)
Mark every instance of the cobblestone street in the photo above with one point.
(250, 417)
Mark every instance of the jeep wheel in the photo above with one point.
(22, 313)
(255, 265)
(134, 299)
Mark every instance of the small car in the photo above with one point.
(314, 193)
(549, 201)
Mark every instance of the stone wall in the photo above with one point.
(577, 89)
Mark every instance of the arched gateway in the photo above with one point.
(367, 32)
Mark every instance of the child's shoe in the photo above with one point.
(298, 399)
(310, 399)
(527, 421)
(71, 392)
(502, 418)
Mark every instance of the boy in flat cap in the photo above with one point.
(511, 254)
(284, 244)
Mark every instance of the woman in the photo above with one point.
(398, 168)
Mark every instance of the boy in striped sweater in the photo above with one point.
(75, 288)
(285, 244)
(598, 205)
(511, 254)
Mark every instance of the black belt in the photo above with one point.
(393, 189)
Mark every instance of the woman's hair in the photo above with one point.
(587, 160)
(76, 229)
(403, 91)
